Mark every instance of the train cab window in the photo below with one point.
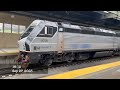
(50, 30)
(47, 31)
(28, 31)
(42, 32)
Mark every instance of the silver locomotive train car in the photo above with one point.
(46, 42)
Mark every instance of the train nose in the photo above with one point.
(21, 44)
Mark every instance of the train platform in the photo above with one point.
(8, 51)
(99, 68)
(103, 71)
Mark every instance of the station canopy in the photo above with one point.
(88, 18)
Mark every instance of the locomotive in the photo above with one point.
(46, 42)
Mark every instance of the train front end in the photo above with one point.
(25, 40)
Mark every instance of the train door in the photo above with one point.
(60, 40)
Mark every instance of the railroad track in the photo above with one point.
(62, 67)
(6, 72)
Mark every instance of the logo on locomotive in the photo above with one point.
(41, 47)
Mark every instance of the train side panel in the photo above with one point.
(73, 41)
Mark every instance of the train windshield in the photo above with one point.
(28, 31)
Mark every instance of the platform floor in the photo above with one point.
(8, 51)
(104, 71)
(110, 73)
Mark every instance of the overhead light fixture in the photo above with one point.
(106, 11)
(12, 16)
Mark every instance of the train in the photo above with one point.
(46, 42)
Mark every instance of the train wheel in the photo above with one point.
(68, 58)
(84, 56)
(69, 61)
(48, 62)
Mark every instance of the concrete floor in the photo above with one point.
(110, 73)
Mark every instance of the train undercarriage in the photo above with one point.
(47, 59)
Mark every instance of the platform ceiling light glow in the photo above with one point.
(12, 16)
(106, 11)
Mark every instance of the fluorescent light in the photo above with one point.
(106, 11)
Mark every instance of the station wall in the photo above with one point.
(9, 40)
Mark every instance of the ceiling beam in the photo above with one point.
(110, 14)
(71, 17)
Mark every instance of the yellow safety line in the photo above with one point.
(95, 73)
(11, 52)
(80, 72)
(7, 52)
(1, 52)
